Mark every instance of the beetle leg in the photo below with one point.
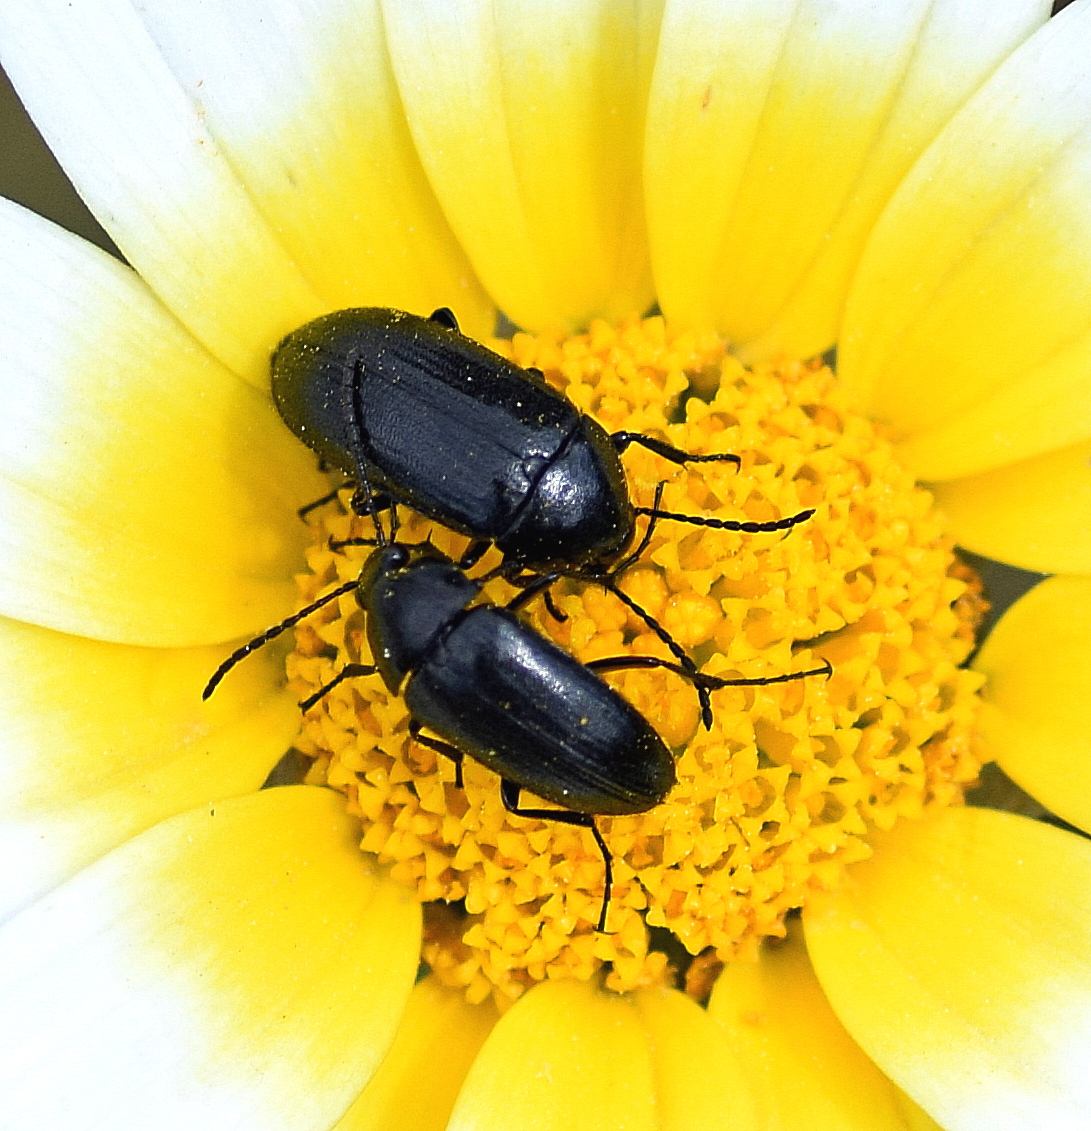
(623, 565)
(532, 585)
(440, 747)
(444, 316)
(618, 663)
(509, 795)
(703, 696)
(349, 671)
(699, 681)
(554, 612)
(336, 545)
(668, 451)
(531, 591)
(369, 506)
(474, 552)
(304, 511)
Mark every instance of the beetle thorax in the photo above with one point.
(579, 513)
(409, 602)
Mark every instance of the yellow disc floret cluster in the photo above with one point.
(780, 794)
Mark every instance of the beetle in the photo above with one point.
(412, 409)
(495, 690)
(415, 412)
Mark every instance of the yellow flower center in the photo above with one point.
(780, 794)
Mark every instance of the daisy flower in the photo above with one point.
(683, 208)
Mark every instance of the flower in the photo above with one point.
(907, 182)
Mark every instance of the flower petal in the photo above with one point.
(777, 130)
(529, 120)
(957, 957)
(147, 496)
(968, 325)
(309, 118)
(100, 741)
(698, 1083)
(439, 1036)
(804, 1069)
(237, 967)
(1036, 718)
(568, 1054)
(143, 159)
(1035, 514)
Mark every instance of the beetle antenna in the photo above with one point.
(726, 524)
(715, 682)
(272, 634)
(701, 679)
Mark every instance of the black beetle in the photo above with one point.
(497, 691)
(416, 412)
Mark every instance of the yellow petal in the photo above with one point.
(777, 130)
(566, 1055)
(1036, 718)
(147, 496)
(569, 1055)
(101, 741)
(142, 158)
(698, 1082)
(309, 118)
(414, 1090)
(1035, 514)
(238, 967)
(968, 325)
(958, 958)
(804, 1069)
(529, 120)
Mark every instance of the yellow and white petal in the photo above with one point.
(777, 130)
(570, 1055)
(529, 119)
(101, 741)
(1035, 514)
(415, 1088)
(958, 958)
(301, 99)
(237, 967)
(147, 495)
(145, 162)
(968, 325)
(804, 1069)
(1036, 718)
